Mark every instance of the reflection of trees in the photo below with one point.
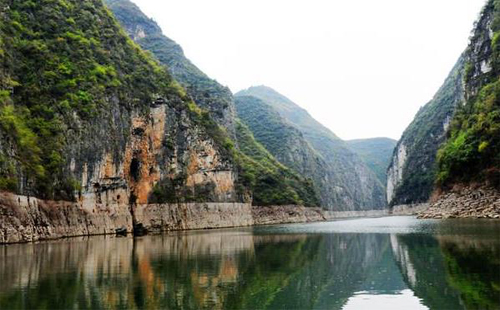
(422, 266)
(317, 273)
(451, 272)
(212, 270)
(239, 270)
(473, 268)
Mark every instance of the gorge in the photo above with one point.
(127, 132)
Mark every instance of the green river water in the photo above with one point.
(383, 263)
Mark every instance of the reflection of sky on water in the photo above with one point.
(402, 300)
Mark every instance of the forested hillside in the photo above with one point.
(344, 179)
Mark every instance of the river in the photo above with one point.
(382, 263)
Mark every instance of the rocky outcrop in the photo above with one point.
(465, 202)
(414, 209)
(26, 219)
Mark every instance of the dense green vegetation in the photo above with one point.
(270, 181)
(61, 61)
(376, 153)
(302, 143)
(472, 152)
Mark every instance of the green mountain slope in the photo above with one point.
(376, 153)
(287, 144)
(65, 66)
(86, 115)
(345, 182)
(271, 182)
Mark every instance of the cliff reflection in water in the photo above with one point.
(237, 269)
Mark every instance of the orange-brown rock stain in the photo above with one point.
(144, 147)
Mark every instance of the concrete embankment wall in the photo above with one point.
(413, 209)
(25, 219)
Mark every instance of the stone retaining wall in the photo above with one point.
(465, 202)
(24, 219)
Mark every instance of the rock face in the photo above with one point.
(269, 182)
(468, 175)
(344, 181)
(124, 141)
(412, 171)
(461, 122)
(465, 202)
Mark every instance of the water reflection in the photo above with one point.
(266, 268)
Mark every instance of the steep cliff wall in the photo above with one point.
(267, 180)
(344, 180)
(462, 122)
(471, 152)
(412, 171)
(87, 116)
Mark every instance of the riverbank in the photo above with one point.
(28, 219)
(465, 202)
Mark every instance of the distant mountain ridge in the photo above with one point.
(376, 153)
(343, 178)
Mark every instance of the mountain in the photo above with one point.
(269, 181)
(287, 144)
(452, 146)
(299, 141)
(376, 153)
(412, 171)
(471, 153)
(207, 93)
(87, 116)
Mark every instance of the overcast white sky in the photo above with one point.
(363, 68)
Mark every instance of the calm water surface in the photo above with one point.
(385, 263)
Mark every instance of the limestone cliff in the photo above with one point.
(454, 140)
(269, 182)
(88, 116)
(412, 171)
